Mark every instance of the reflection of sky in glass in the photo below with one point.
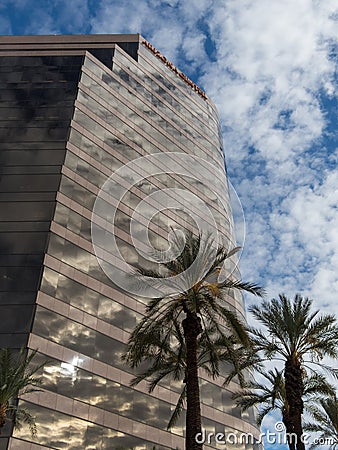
(68, 380)
(61, 431)
(88, 300)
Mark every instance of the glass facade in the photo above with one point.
(68, 120)
(36, 105)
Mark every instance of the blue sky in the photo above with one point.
(271, 69)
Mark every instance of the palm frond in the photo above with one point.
(18, 374)
(242, 286)
(178, 409)
(22, 415)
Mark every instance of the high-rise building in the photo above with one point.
(74, 110)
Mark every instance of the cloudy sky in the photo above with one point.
(271, 69)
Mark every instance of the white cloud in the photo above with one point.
(271, 57)
(156, 20)
(272, 64)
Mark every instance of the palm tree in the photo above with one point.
(197, 304)
(172, 365)
(326, 423)
(269, 394)
(299, 338)
(16, 374)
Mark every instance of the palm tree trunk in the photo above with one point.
(192, 328)
(287, 424)
(294, 389)
(3, 415)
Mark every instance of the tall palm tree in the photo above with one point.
(197, 305)
(17, 374)
(269, 395)
(326, 423)
(300, 338)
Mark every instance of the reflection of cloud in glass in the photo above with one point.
(88, 300)
(189, 195)
(61, 431)
(78, 337)
(68, 380)
(70, 369)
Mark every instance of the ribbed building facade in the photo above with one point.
(74, 109)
